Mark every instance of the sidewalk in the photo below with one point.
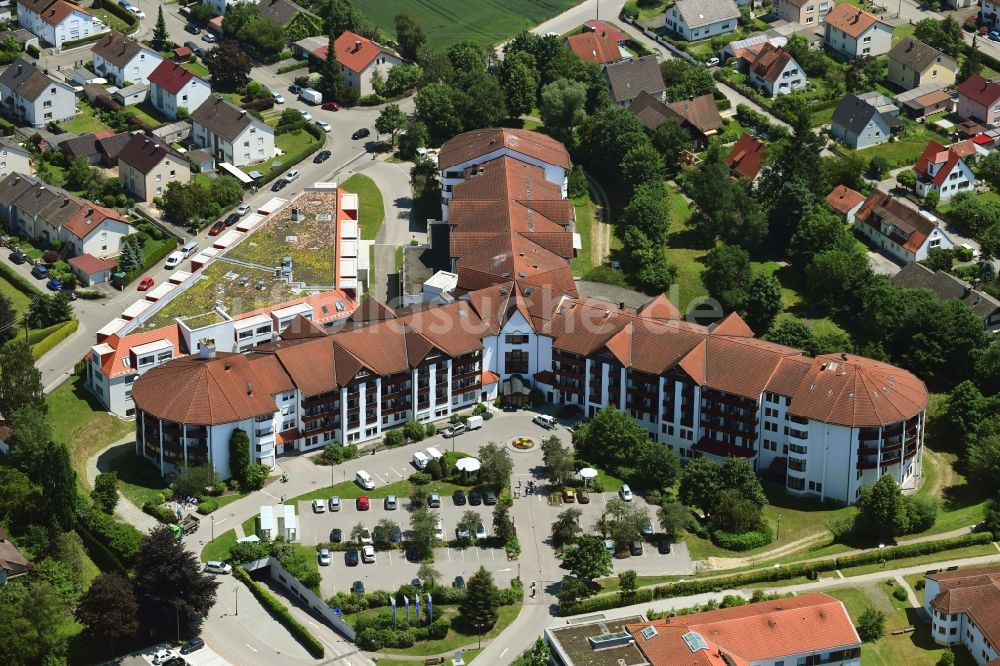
(125, 510)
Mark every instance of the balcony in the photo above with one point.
(867, 463)
(729, 414)
(264, 431)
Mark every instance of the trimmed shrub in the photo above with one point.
(741, 542)
(65, 330)
(912, 550)
(160, 512)
(281, 614)
(121, 539)
(208, 506)
(291, 67)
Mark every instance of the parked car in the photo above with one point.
(480, 530)
(216, 567)
(664, 547)
(291, 175)
(365, 536)
(362, 133)
(609, 545)
(192, 645)
(324, 557)
(146, 283)
(336, 535)
(174, 259)
(411, 554)
(321, 156)
(712, 62)
(489, 498)
(192, 28)
(232, 219)
(362, 503)
(334, 503)
(390, 503)
(459, 583)
(295, 89)
(545, 421)
(475, 499)
(195, 48)
(330, 106)
(323, 125)
(351, 557)
(368, 554)
(138, 12)
(569, 496)
(995, 35)
(397, 535)
(279, 185)
(647, 529)
(319, 506)
(439, 530)
(434, 501)
(162, 656)
(635, 548)
(244, 209)
(17, 257)
(54, 284)
(462, 532)
(452, 431)
(625, 493)
(306, 116)
(459, 497)
(278, 97)
(583, 497)
(208, 38)
(358, 587)
(175, 661)
(40, 272)
(217, 228)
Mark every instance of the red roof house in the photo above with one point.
(600, 26)
(942, 170)
(845, 201)
(596, 47)
(978, 99)
(359, 57)
(746, 157)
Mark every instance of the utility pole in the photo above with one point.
(237, 591)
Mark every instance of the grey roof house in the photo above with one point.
(701, 19)
(948, 287)
(857, 124)
(30, 97)
(626, 79)
(231, 134)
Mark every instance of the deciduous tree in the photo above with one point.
(587, 559)
(562, 106)
(700, 484)
(647, 211)
(391, 120)
(436, 110)
(503, 527)
(673, 517)
(496, 465)
(881, 510)
(566, 526)
(229, 66)
(105, 492)
(108, 608)
(409, 35)
(518, 74)
(871, 625)
(20, 380)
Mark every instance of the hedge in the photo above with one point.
(68, 328)
(284, 69)
(772, 574)
(207, 507)
(121, 539)
(115, 10)
(18, 281)
(281, 614)
(89, 39)
(99, 553)
(33, 50)
(6, 127)
(742, 542)
(169, 245)
(160, 512)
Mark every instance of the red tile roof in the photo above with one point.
(851, 20)
(746, 156)
(769, 62)
(89, 264)
(89, 219)
(353, 51)
(935, 153)
(57, 12)
(980, 90)
(469, 146)
(975, 592)
(170, 76)
(756, 632)
(614, 32)
(596, 47)
(909, 228)
(113, 363)
(843, 199)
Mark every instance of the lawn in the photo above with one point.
(290, 143)
(143, 116)
(372, 212)
(111, 20)
(85, 122)
(18, 299)
(905, 149)
(83, 425)
(901, 31)
(914, 649)
(458, 636)
(583, 261)
(219, 549)
(197, 69)
(138, 479)
(448, 21)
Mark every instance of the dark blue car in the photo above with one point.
(55, 284)
(351, 557)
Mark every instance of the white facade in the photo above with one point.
(137, 70)
(875, 41)
(362, 81)
(78, 24)
(682, 25)
(790, 79)
(959, 179)
(103, 242)
(254, 144)
(956, 628)
(13, 159)
(220, 6)
(192, 95)
(883, 240)
(57, 102)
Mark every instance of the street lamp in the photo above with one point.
(237, 591)
(779, 528)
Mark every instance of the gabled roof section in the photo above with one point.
(225, 119)
(57, 12)
(172, 77)
(853, 113)
(746, 157)
(980, 90)
(596, 47)
(914, 54)
(851, 20)
(698, 13)
(370, 310)
(300, 328)
(469, 146)
(700, 112)
(26, 80)
(936, 154)
(89, 219)
(908, 228)
(354, 51)
(119, 49)
(145, 153)
(843, 199)
(628, 78)
(732, 325)
(770, 62)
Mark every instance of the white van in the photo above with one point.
(420, 460)
(216, 567)
(433, 453)
(189, 248)
(474, 423)
(545, 421)
(364, 479)
(174, 259)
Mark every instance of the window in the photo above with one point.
(47, 104)
(516, 362)
(516, 339)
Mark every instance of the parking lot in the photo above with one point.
(202, 657)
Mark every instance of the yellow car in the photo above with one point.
(569, 496)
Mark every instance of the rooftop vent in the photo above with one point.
(249, 388)
(206, 349)
(610, 640)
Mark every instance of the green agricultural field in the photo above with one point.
(448, 21)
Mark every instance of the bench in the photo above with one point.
(904, 630)
(434, 660)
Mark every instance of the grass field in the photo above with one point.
(448, 21)
(83, 425)
(583, 262)
(372, 211)
(219, 549)
(85, 122)
(18, 299)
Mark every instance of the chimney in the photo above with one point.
(65, 201)
(226, 366)
(90, 211)
(20, 68)
(206, 349)
(249, 388)
(357, 45)
(843, 356)
(621, 305)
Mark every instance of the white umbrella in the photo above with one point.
(468, 464)
(588, 473)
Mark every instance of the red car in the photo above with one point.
(217, 228)
(145, 283)
(363, 504)
(330, 106)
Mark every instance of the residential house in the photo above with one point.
(172, 87)
(13, 564)
(231, 134)
(913, 63)
(743, 49)
(595, 47)
(90, 270)
(309, 46)
(961, 606)
(32, 98)
(807, 629)
(146, 166)
(979, 99)
(359, 58)
(803, 12)
(858, 124)
(220, 6)
(698, 115)
(600, 26)
(853, 32)
(294, 18)
(51, 215)
(898, 230)
(948, 287)
(58, 21)
(925, 100)
(14, 158)
(989, 13)
(943, 170)
(132, 95)
(700, 19)
(627, 78)
(84, 146)
(123, 60)
(774, 71)
(746, 157)
(845, 201)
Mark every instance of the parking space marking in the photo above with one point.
(251, 647)
(381, 479)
